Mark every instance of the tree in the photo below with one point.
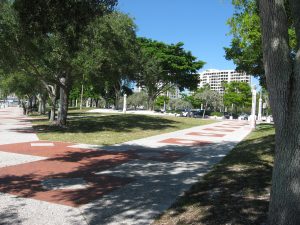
(237, 94)
(180, 103)
(245, 49)
(282, 70)
(25, 88)
(109, 53)
(161, 101)
(194, 102)
(165, 66)
(266, 102)
(19, 54)
(137, 99)
(43, 38)
(208, 98)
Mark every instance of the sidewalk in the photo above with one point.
(14, 128)
(129, 183)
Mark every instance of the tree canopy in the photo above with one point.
(164, 66)
(43, 39)
(237, 94)
(245, 48)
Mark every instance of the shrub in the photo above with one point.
(219, 114)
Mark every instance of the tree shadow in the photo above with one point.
(131, 186)
(235, 192)
(157, 184)
(9, 214)
(21, 185)
(115, 123)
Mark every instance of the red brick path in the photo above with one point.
(64, 162)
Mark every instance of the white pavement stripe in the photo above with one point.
(11, 159)
(42, 144)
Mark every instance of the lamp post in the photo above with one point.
(253, 109)
(259, 108)
(125, 103)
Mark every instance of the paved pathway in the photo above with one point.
(63, 183)
(14, 128)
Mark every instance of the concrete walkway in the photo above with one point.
(14, 128)
(130, 183)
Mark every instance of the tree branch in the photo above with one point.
(161, 89)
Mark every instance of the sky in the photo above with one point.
(199, 24)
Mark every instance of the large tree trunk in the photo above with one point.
(150, 103)
(29, 105)
(24, 107)
(283, 82)
(52, 91)
(42, 103)
(203, 116)
(53, 109)
(63, 104)
(40, 108)
(117, 87)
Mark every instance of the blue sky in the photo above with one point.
(199, 24)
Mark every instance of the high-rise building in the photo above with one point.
(174, 93)
(215, 78)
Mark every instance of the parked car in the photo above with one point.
(192, 113)
(243, 116)
(184, 113)
(227, 115)
(196, 113)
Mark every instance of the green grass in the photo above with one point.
(236, 191)
(108, 129)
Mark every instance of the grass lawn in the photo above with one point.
(108, 129)
(236, 191)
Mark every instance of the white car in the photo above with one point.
(243, 117)
(270, 118)
(184, 113)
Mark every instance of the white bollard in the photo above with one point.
(253, 109)
(125, 103)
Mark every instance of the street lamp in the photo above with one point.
(259, 108)
(253, 109)
(125, 103)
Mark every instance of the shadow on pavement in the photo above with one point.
(9, 214)
(125, 183)
(237, 192)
